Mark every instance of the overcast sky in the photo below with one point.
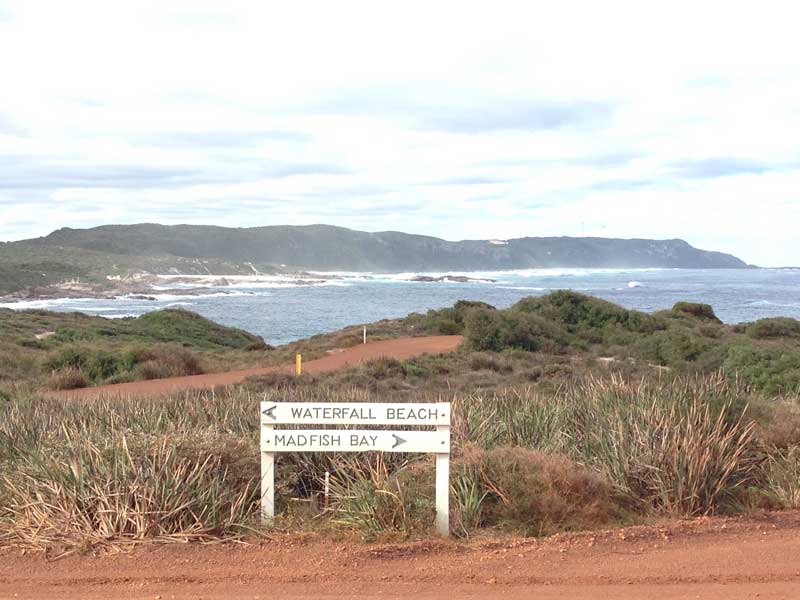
(460, 120)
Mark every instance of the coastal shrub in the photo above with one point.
(462, 308)
(483, 330)
(157, 362)
(774, 369)
(96, 364)
(491, 362)
(451, 321)
(775, 327)
(69, 378)
(72, 334)
(581, 313)
(678, 348)
(697, 310)
(534, 492)
(783, 477)
(492, 330)
(188, 328)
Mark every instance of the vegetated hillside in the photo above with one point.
(687, 339)
(32, 264)
(546, 436)
(335, 248)
(69, 350)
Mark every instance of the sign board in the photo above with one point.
(399, 414)
(354, 440)
(355, 413)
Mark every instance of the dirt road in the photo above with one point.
(402, 348)
(715, 559)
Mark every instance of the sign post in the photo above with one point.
(356, 440)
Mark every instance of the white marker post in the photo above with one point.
(356, 440)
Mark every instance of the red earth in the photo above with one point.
(400, 349)
(710, 558)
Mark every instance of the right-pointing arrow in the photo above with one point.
(397, 441)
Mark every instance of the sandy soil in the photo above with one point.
(720, 558)
(403, 348)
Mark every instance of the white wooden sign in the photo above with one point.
(353, 440)
(354, 413)
(356, 440)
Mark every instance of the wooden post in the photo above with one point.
(443, 488)
(267, 480)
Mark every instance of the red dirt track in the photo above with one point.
(713, 559)
(401, 349)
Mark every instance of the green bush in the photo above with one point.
(483, 330)
(96, 364)
(579, 312)
(776, 327)
(772, 369)
(697, 310)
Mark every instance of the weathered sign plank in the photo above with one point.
(354, 440)
(355, 413)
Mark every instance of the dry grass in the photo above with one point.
(532, 460)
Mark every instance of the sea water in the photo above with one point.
(281, 310)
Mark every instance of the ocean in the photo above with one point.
(281, 310)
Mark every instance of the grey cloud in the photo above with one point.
(470, 180)
(55, 176)
(286, 169)
(26, 173)
(609, 159)
(710, 168)
(479, 117)
(374, 210)
(221, 139)
(620, 185)
(599, 159)
(523, 117)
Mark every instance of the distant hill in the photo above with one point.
(91, 254)
(336, 248)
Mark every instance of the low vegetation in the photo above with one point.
(569, 413)
(687, 339)
(74, 350)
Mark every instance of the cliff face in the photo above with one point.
(325, 247)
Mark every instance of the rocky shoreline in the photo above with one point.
(146, 286)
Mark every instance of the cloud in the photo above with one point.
(709, 168)
(490, 114)
(470, 180)
(9, 126)
(220, 138)
(27, 173)
(621, 185)
(513, 116)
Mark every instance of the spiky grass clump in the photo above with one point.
(91, 496)
(680, 447)
(783, 477)
(85, 474)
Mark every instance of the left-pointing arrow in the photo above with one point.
(270, 412)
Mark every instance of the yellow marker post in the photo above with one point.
(298, 367)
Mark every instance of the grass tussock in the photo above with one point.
(591, 453)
